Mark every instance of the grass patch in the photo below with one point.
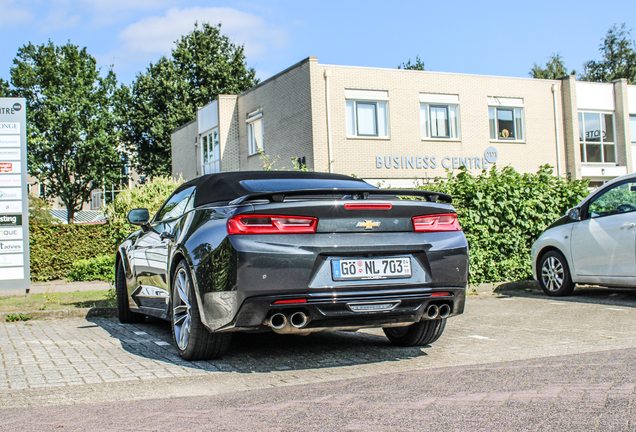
(48, 301)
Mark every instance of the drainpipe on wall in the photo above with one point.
(327, 75)
(556, 129)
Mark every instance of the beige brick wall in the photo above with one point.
(623, 133)
(571, 127)
(228, 133)
(358, 156)
(286, 102)
(185, 159)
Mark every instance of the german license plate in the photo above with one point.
(371, 268)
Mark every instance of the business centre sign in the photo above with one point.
(432, 162)
(14, 208)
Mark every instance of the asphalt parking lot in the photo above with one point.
(515, 361)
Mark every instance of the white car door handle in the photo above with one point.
(628, 225)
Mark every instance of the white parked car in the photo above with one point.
(594, 243)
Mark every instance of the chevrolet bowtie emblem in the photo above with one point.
(367, 224)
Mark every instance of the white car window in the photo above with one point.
(617, 200)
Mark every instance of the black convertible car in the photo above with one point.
(293, 252)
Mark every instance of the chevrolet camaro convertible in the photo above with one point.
(293, 253)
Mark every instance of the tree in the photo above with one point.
(619, 58)
(554, 69)
(203, 64)
(4, 88)
(71, 136)
(418, 65)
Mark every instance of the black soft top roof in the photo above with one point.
(227, 186)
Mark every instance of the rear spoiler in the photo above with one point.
(356, 193)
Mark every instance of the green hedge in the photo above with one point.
(54, 248)
(503, 212)
(61, 251)
(101, 267)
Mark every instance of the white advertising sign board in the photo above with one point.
(12, 273)
(14, 207)
(11, 246)
(10, 180)
(10, 128)
(9, 154)
(9, 140)
(11, 260)
(11, 207)
(10, 167)
(10, 194)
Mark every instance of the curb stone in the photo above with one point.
(64, 313)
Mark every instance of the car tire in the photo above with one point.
(126, 316)
(192, 339)
(554, 274)
(419, 334)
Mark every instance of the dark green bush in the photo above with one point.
(503, 212)
(101, 267)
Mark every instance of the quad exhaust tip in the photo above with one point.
(444, 311)
(277, 321)
(298, 320)
(432, 312)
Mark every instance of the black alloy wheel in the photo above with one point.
(419, 334)
(193, 340)
(126, 316)
(554, 274)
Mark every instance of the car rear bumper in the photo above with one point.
(347, 309)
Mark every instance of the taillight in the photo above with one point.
(267, 224)
(356, 206)
(437, 222)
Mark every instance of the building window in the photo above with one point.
(506, 124)
(596, 136)
(367, 113)
(255, 132)
(632, 127)
(211, 153)
(366, 119)
(439, 121)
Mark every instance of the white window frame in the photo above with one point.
(211, 164)
(379, 99)
(252, 144)
(454, 133)
(584, 143)
(499, 134)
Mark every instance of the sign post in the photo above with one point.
(14, 200)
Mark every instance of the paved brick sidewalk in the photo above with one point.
(583, 392)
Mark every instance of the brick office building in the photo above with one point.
(398, 125)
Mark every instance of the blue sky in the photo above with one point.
(493, 38)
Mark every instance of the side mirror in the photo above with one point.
(574, 214)
(139, 217)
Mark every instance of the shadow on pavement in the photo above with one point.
(263, 352)
(582, 293)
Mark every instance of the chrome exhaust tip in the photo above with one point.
(298, 320)
(277, 321)
(432, 312)
(444, 311)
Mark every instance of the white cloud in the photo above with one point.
(155, 35)
(12, 15)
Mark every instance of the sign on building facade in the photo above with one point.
(14, 203)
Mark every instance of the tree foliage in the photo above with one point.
(4, 88)
(554, 69)
(71, 134)
(503, 212)
(619, 58)
(149, 195)
(203, 64)
(417, 65)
